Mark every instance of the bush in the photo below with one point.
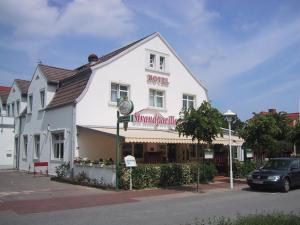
(275, 218)
(242, 169)
(162, 175)
(63, 170)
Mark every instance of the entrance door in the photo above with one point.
(171, 152)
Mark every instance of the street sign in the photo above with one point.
(123, 119)
(130, 161)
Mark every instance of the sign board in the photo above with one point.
(208, 154)
(127, 118)
(130, 161)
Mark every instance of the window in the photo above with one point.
(8, 110)
(188, 101)
(156, 98)
(25, 142)
(58, 145)
(118, 91)
(13, 109)
(127, 149)
(138, 151)
(18, 107)
(42, 96)
(36, 146)
(162, 63)
(152, 61)
(30, 102)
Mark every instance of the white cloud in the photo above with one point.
(105, 18)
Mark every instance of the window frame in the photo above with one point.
(30, 103)
(188, 101)
(118, 91)
(25, 146)
(155, 98)
(18, 103)
(156, 65)
(37, 155)
(43, 101)
(13, 109)
(60, 143)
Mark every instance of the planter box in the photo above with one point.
(105, 175)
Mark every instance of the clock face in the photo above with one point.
(125, 107)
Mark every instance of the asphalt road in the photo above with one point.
(175, 209)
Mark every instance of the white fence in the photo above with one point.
(103, 175)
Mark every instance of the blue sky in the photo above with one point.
(247, 53)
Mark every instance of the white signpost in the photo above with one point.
(130, 162)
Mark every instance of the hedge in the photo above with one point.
(242, 169)
(163, 175)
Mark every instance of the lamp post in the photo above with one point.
(229, 117)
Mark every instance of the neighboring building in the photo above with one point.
(6, 131)
(16, 104)
(73, 113)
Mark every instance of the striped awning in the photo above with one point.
(135, 135)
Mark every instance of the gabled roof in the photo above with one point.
(4, 92)
(70, 89)
(55, 74)
(110, 55)
(23, 85)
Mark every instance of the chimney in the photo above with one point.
(93, 58)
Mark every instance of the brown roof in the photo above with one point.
(70, 89)
(110, 55)
(23, 85)
(4, 92)
(55, 74)
(75, 81)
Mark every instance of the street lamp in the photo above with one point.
(229, 117)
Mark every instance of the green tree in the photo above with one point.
(267, 133)
(202, 124)
(295, 134)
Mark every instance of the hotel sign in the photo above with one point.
(157, 80)
(153, 117)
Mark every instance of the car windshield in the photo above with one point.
(277, 165)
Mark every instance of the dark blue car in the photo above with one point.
(277, 173)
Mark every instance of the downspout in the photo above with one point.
(73, 139)
(19, 144)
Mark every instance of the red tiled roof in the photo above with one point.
(293, 116)
(23, 85)
(55, 74)
(4, 92)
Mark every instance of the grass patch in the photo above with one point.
(275, 218)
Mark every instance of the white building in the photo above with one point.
(6, 131)
(73, 113)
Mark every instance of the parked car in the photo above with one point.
(277, 173)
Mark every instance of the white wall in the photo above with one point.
(6, 142)
(37, 121)
(130, 69)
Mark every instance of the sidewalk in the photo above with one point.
(104, 198)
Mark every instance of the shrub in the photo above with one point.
(242, 169)
(162, 175)
(63, 170)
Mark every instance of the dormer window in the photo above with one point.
(42, 97)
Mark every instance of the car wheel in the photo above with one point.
(286, 185)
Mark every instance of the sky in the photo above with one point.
(246, 52)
